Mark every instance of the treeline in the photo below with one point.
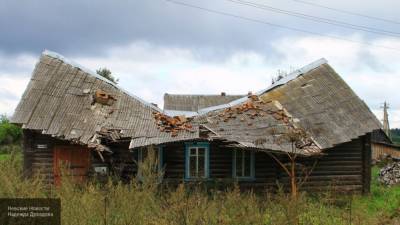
(9, 133)
(395, 135)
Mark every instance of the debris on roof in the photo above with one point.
(172, 125)
(103, 97)
(252, 108)
(110, 134)
(96, 144)
(262, 125)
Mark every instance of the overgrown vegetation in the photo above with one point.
(143, 201)
(10, 137)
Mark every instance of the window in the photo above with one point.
(141, 155)
(197, 157)
(243, 164)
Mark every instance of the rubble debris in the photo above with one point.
(252, 108)
(109, 134)
(172, 124)
(390, 174)
(96, 141)
(103, 97)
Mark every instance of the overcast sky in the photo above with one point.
(156, 47)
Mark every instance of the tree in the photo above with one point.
(395, 135)
(9, 133)
(298, 173)
(106, 73)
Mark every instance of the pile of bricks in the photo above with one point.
(172, 124)
(103, 97)
(252, 108)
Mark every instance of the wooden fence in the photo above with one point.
(379, 149)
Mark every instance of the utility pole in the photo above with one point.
(386, 127)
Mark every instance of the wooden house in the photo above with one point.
(70, 114)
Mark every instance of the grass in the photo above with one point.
(7, 150)
(383, 201)
(4, 157)
(145, 202)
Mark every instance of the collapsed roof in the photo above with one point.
(69, 102)
(60, 101)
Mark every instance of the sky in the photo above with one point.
(206, 47)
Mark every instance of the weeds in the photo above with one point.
(143, 202)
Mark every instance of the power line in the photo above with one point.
(277, 25)
(347, 12)
(317, 19)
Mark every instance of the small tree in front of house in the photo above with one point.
(297, 172)
(106, 73)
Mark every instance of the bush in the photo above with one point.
(9, 133)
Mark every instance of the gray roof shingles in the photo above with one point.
(58, 102)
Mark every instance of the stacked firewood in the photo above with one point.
(172, 124)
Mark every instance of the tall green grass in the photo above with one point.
(145, 201)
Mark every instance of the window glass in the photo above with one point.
(243, 163)
(197, 162)
(201, 163)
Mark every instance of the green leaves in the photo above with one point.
(106, 73)
(9, 133)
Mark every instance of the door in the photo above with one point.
(75, 159)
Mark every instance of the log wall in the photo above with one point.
(38, 155)
(345, 167)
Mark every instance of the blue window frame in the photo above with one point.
(197, 160)
(243, 164)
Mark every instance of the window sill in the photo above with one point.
(198, 179)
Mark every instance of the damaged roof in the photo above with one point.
(60, 100)
(316, 99)
(69, 102)
(325, 106)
